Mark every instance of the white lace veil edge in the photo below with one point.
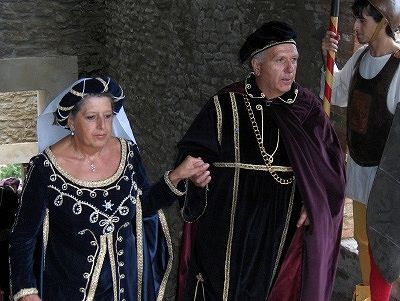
(49, 133)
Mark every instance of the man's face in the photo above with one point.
(364, 28)
(275, 69)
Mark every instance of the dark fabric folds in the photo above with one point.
(318, 163)
(313, 152)
(91, 233)
(383, 207)
(288, 283)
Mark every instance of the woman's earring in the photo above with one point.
(72, 132)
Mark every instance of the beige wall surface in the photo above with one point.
(26, 86)
(18, 117)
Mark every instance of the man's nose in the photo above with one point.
(290, 67)
(356, 24)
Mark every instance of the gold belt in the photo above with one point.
(254, 166)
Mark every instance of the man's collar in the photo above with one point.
(253, 91)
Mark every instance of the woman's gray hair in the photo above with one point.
(78, 106)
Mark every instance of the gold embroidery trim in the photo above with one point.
(97, 267)
(105, 84)
(120, 253)
(171, 186)
(91, 258)
(45, 236)
(139, 248)
(200, 281)
(253, 166)
(112, 263)
(284, 234)
(25, 292)
(22, 196)
(167, 235)
(76, 93)
(270, 45)
(219, 118)
(92, 184)
(234, 197)
(61, 108)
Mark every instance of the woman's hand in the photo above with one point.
(329, 43)
(194, 168)
(303, 219)
(33, 297)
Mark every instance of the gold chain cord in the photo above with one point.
(268, 159)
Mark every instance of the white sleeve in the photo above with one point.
(341, 80)
(394, 92)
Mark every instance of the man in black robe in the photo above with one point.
(268, 227)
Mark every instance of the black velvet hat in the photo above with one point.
(85, 87)
(268, 35)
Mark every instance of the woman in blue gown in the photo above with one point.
(87, 208)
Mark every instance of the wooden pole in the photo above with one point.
(330, 61)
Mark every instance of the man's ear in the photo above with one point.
(255, 66)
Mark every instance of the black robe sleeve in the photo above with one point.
(27, 227)
(201, 140)
(155, 196)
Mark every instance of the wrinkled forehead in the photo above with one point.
(282, 50)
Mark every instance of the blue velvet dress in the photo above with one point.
(101, 240)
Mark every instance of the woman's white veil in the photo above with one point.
(49, 132)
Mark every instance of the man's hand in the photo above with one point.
(330, 42)
(201, 179)
(303, 219)
(191, 168)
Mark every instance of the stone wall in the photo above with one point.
(26, 86)
(19, 121)
(53, 28)
(172, 55)
(169, 55)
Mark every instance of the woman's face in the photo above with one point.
(92, 124)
